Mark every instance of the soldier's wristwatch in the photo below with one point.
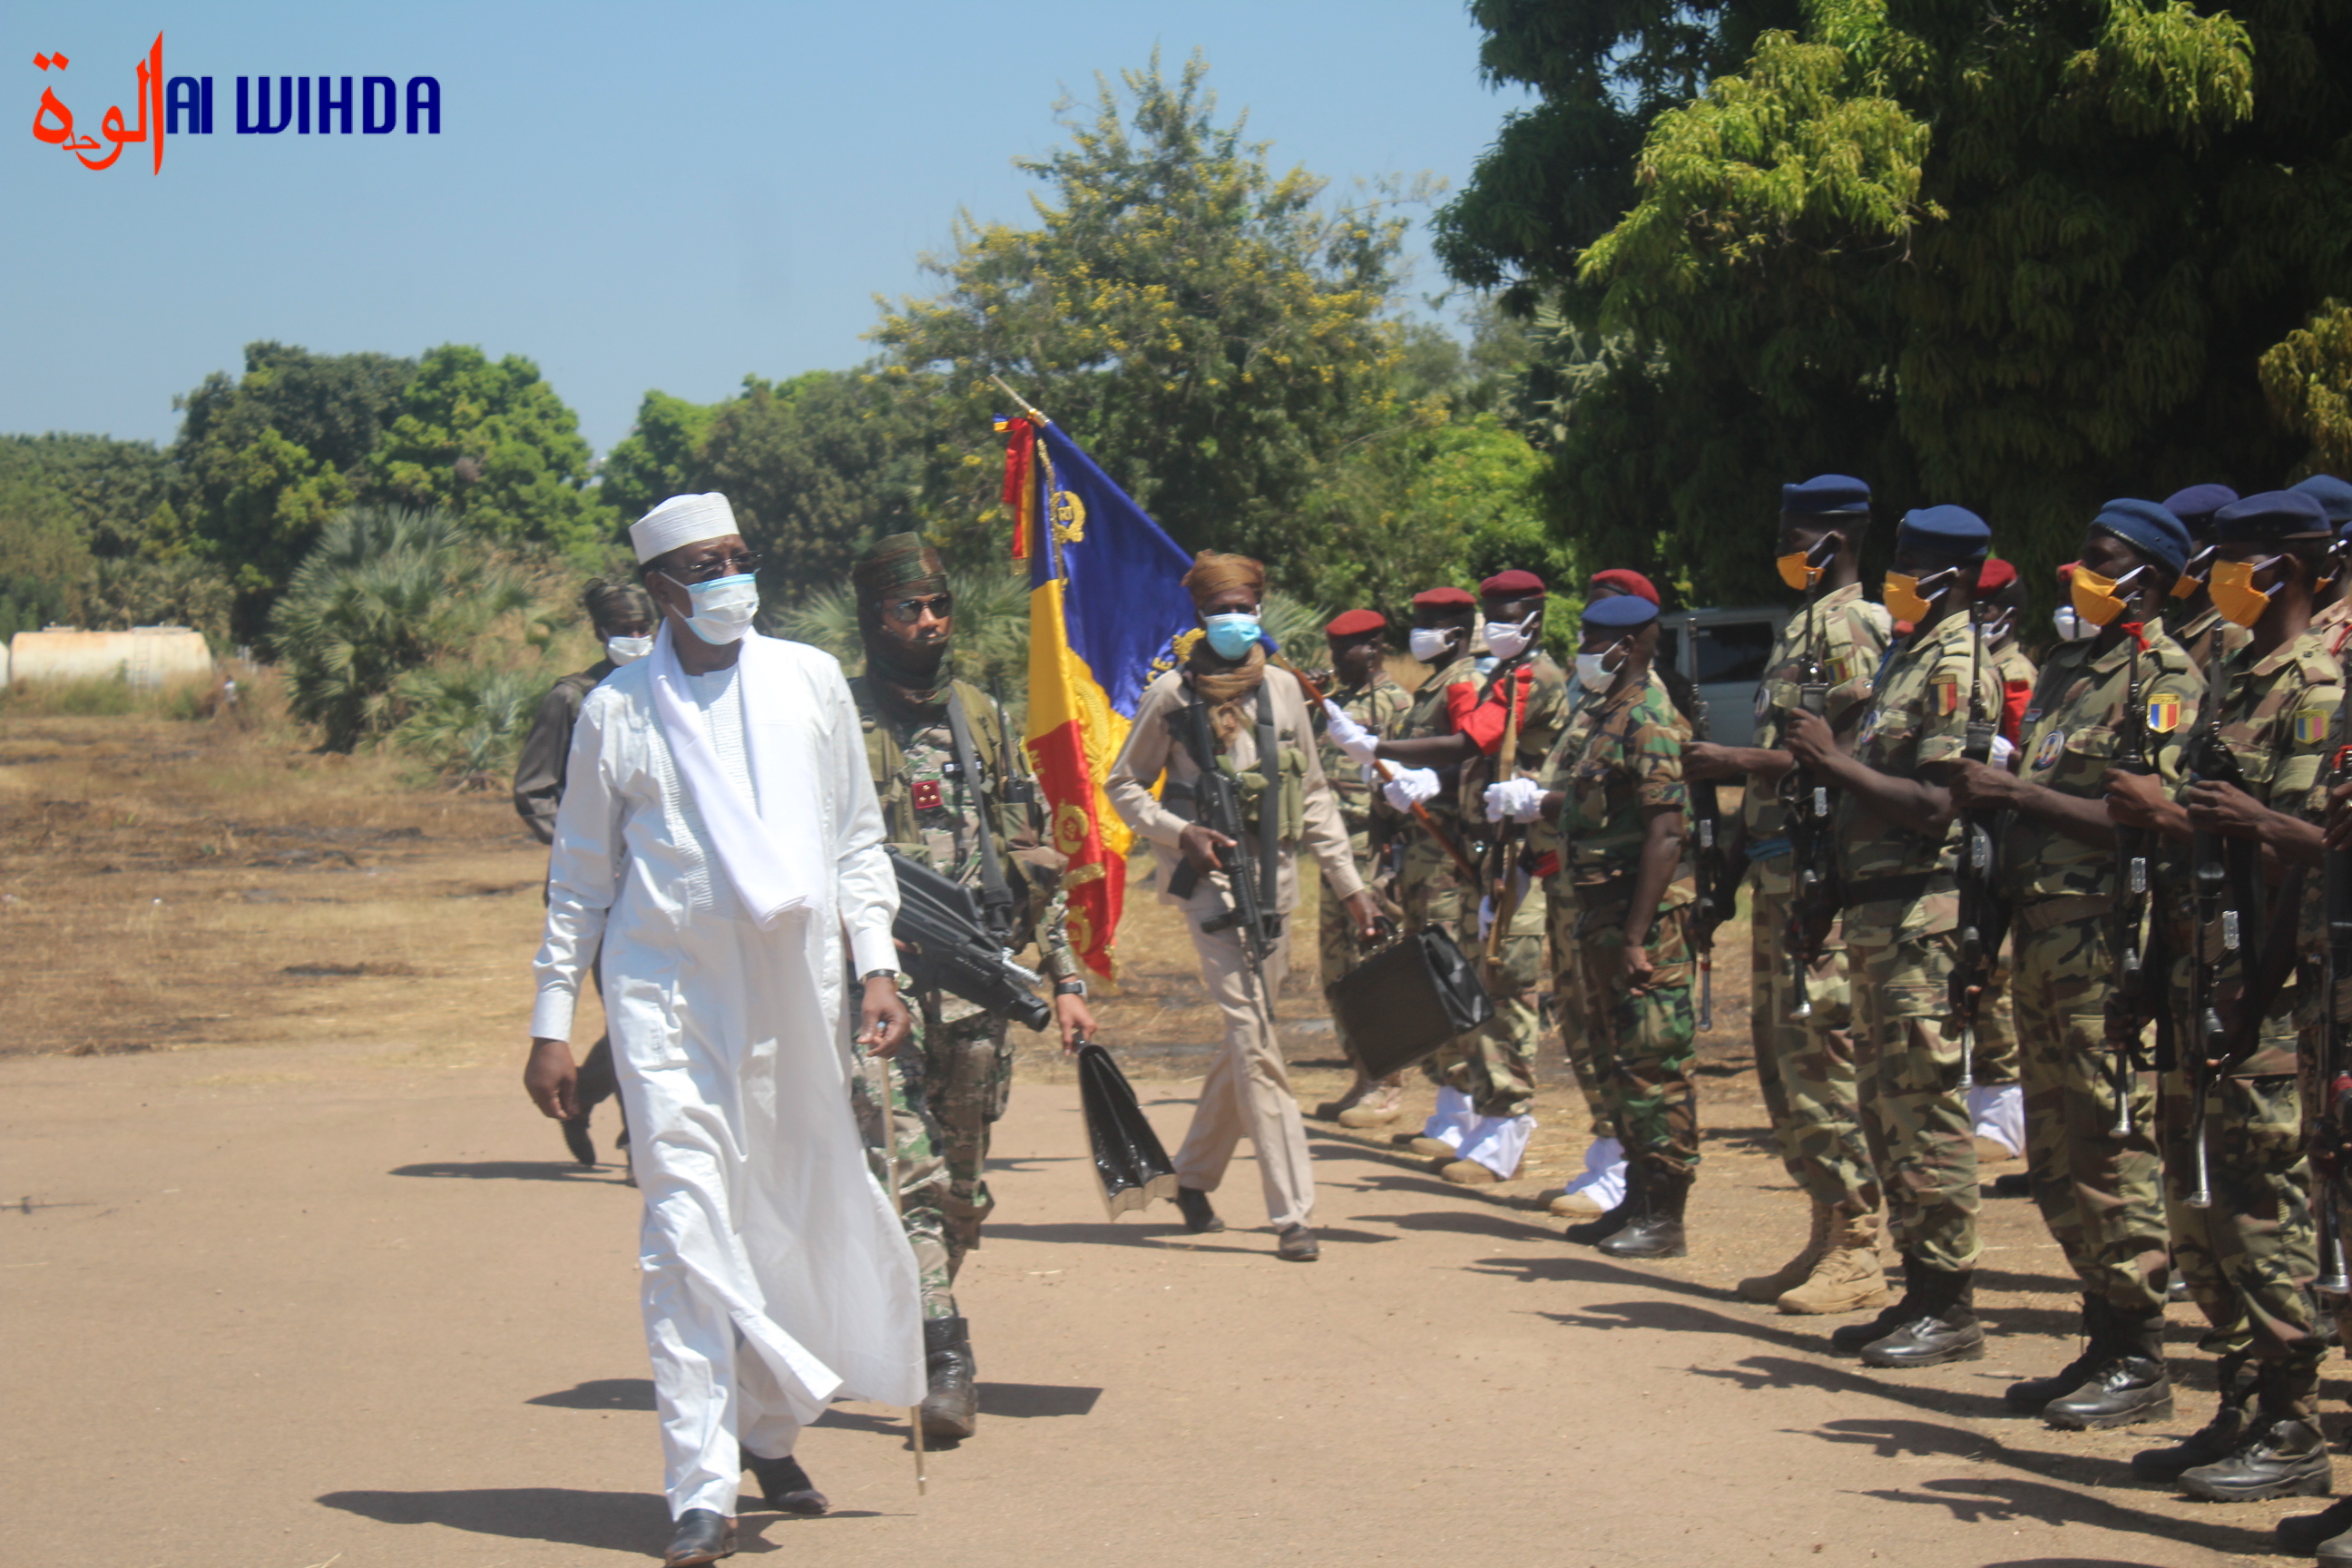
(1069, 987)
(892, 976)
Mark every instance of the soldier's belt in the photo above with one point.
(2035, 915)
(1904, 889)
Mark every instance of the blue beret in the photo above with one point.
(2270, 518)
(1824, 495)
(2196, 506)
(1946, 530)
(2334, 496)
(2147, 528)
(1621, 610)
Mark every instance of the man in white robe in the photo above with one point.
(719, 836)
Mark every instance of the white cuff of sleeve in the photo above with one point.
(550, 1016)
(870, 948)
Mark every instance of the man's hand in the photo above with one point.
(1633, 963)
(2134, 799)
(552, 1080)
(1976, 787)
(1706, 760)
(2224, 808)
(1076, 1020)
(1200, 846)
(1810, 738)
(1364, 913)
(887, 1023)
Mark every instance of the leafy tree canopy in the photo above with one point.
(660, 457)
(112, 488)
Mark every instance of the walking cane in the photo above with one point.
(878, 1084)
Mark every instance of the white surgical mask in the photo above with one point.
(1508, 639)
(2070, 626)
(1592, 672)
(627, 650)
(1428, 643)
(723, 607)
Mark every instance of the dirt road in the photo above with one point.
(304, 1282)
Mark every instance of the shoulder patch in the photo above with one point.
(2045, 755)
(2310, 726)
(1944, 696)
(2163, 714)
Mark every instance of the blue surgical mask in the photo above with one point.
(1232, 634)
(723, 607)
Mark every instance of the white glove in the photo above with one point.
(1514, 800)
(1351, 737)
(2004, 752)
(1410, 787)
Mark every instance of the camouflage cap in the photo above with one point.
(897, 562)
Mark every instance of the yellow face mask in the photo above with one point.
(2095, 596)
(2192, 576)
(1795, 570)
(1903, 601)
(2234, 594)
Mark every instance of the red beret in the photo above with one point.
(1512, 584)
(1626, 581)
(1443, 599)
(1995, 576)
(1356, 623)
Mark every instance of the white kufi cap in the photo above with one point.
(682, 519)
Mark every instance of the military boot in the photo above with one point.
(1763, 1289)
(1848, 1339)
(1655, 1230)
(2028, 1397)
(951, 1408)
(2214, 1440)
(2313, 1534)
(2282, 1453)
(1847, 1276)
(1604, 1225)
(1941, 1326)
(2127, 1385)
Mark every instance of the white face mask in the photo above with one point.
(1593, 671)
(723, 607)
(1508, 639)
(2072, 627)
(1429, 643)
(627, 650)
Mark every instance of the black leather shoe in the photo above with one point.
(952, 1407)
(1942, 1325)
(1609, 1222)
(1297, 1245)
(702, 1536)
(2304, 1535)
(2278, 1457)
(1199, 1218)
(1656, 1229)
(784, 1486)
(2028, 1397)
(2213, 1441)
(576, 1139)
(1848, 1339)
(2129, 1384)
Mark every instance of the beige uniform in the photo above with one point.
(1247, 1091)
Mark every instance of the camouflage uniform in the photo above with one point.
(2200, 634)
(1618, 757)
(948, 1084)
(1998, 1060)
(2250, 1259)
(1805, 1066)
(1493, 1066)
(2100, 1193)
(1902, 915)
(1377, 706)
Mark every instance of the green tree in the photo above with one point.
(1212, 331)
(660, 457)
(114, 488)
(45, 567)
(491, 443)
(2021, 259)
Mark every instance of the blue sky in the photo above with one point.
(633, 195)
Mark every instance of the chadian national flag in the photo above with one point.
(1107, 604)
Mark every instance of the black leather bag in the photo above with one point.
(1408, 999)
(1131, 1166)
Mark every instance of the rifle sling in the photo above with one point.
(995, 893)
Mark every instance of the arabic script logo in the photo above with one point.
(183, 105)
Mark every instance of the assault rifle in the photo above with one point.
(1984, 919)
(2136, 993)
(1717, 878)
(952, 948)
(2222, 874)
(2331, 1152)
(1502, 879)
(1813, 894)
(1217, 800)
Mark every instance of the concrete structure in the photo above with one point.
(147, 657)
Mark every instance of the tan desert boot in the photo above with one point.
(1575, 1206)
(1847, 1277)
(1468, 1173)
(1766, 1288)
(1434, 1148)
(1381, 1105)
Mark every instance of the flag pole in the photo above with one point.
(1028, 407)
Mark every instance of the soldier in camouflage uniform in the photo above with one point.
(1362, 691)
(2252, 1255)
(1997, 1102)
(1898, 842)
(2191, 619)
(2127, 696)
(1806, 1066)
(1614, 787)
(1456, 727)
(948, 1086)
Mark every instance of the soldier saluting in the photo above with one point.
(1899, 837)
(955, 796)
(2127, 697)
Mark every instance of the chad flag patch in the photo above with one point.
(2163, 715)
(2310, 727)
(1944, 696)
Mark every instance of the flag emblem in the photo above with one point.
(1944, 696)
(2310, 726)
(2163, 715)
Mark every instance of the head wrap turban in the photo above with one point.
(895, 561)
(1212, 574)
(900, 566)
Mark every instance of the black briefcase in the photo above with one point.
(1408, 999)
(1131, 1166)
